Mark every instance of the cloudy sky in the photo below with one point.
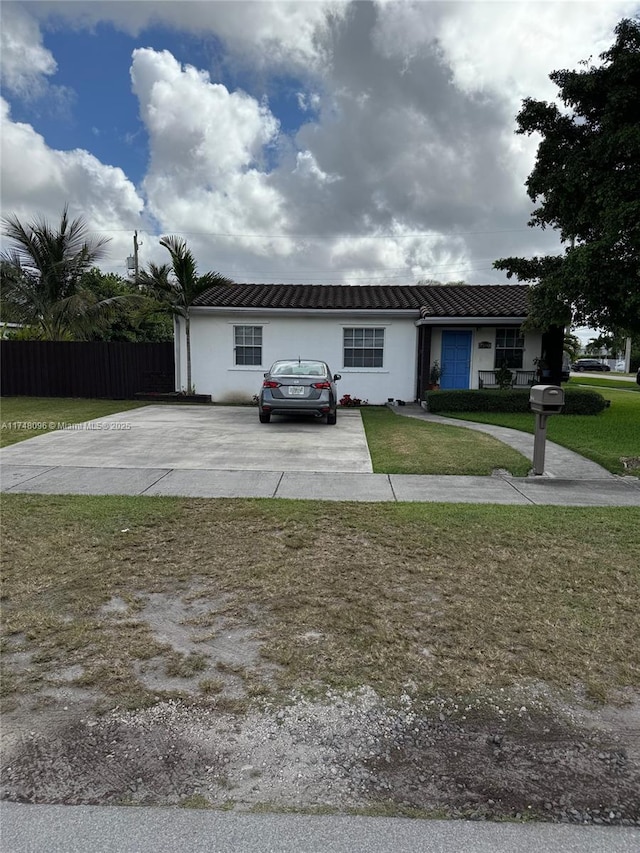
(325, 142)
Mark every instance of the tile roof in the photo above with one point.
(436, 301)
(481, 300)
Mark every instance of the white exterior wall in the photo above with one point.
(214, 371)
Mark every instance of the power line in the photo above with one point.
(278, 278)
(321, 236)
(440, 268)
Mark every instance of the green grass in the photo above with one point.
(404, 445)
(26, 417)
(597, 382)
(606, 438)
(456, 598)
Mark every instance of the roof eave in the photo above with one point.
(470, 321)
(331, 312)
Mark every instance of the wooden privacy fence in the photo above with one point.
(109, 369)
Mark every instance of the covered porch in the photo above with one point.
(470, 355)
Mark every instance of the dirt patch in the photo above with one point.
(208, 651)
(515, 754)
(495, 763)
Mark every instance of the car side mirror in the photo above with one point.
(336, 376)
(266, 374)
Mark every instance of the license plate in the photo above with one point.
(296, 390)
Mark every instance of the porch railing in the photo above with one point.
(521, 378)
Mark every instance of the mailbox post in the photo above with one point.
(544, 400)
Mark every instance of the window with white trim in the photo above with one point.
(509, 348)
(363, 347)
(247, 344)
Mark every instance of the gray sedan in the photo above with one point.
(299, 386)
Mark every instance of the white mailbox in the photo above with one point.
(546, 399)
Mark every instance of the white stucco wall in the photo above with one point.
(214, 371)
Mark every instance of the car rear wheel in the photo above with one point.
(265, 417)
(332, 418)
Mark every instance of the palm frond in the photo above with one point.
(183, 263)
(206, 282)
(156, 283)
(42, 273)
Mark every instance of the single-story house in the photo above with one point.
(383, 339)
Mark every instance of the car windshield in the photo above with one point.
(298, 368)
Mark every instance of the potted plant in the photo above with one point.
(434, 376)
(504, 377)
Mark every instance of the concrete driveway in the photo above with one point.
(207, 437)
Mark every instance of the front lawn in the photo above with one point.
(454, 598)
(404, 445)
(606, 438)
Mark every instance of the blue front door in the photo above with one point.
(456, 359)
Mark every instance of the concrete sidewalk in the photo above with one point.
(315, 485)
(146, 462)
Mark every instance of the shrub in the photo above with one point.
(352, 402)
(577, 401)
(478, 401)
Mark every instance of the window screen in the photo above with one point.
(248, 344)
(509, 348)
(363, 347)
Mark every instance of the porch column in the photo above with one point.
(424, 360)
(552, 348)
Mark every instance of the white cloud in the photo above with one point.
(38, 181)
(195, 122)
(206, 172)
(266, 33)
(501, 46)
(24, 62)
(512, 49)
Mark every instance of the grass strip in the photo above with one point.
(453, 598)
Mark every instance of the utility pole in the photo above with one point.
(136, 268)
(133, 266)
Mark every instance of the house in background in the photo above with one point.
(383, 339)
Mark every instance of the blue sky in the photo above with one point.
(95, 108)
(321, 141)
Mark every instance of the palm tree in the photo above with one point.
(174, 286)
(40, 277)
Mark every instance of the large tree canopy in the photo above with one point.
(135, 317)
(586, 181)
